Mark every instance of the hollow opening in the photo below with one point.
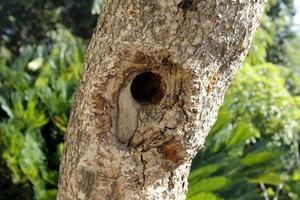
(147, 87)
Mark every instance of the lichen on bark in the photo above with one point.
(121, 147)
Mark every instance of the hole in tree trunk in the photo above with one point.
(185, 5)
(147, 88)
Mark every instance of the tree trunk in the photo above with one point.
(154, 77)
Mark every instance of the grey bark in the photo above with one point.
(155, 74)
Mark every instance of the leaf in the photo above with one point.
(35, 64)
(203, 196)
(208, 185)
(60, 148)
(96, 8)
(204, 171)
(41, 82)
(13, 143)
(33, 117)
(51, 194)
(255, 158)
(61, 122)
(268, 178)
(32, 159)
(242, 131)
(223, 119)
(296, 175)
(5, 107)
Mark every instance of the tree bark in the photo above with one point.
(155, 74)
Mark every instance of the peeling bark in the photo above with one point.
(154, 77)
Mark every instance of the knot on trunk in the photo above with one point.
(151, 102)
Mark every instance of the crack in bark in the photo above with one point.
(170, 182)
(185, 6)
(114, 195)
(144, 169)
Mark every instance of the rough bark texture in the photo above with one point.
(155, 75)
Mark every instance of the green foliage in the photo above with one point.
(254, 145)
(29, 21)
(209, 184)
(254, 141)
(276, 34)
(36, 90)
(203, 195)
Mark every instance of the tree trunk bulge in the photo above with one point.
(154, 77)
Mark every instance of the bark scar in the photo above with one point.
(144, 169)
(212, 82)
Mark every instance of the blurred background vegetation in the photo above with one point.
(252, 152)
